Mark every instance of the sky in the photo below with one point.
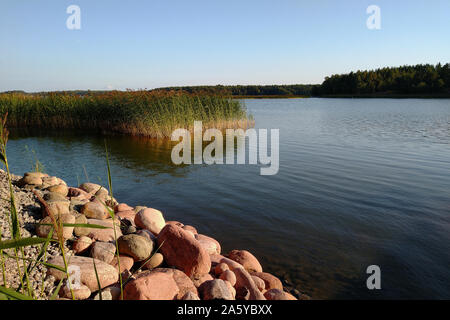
(157, 43)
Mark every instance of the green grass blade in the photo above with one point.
(23, 242)
(109, 171)
(13, 294)
(55, 293)
(14, 218)
(98, 280)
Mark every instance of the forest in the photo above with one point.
(404, 80)
(293, 90)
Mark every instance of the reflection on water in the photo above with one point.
(361, 182)
(142, 154)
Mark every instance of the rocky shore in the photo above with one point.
(159, 259)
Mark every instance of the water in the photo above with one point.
(361, 182)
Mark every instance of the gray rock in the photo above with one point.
(135, 246)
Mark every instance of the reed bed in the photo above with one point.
(153, 114)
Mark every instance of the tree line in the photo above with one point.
(249, 90)
(421, 79)
(417, 79)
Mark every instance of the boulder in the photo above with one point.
(103, 196)
(244, 280)
(199, 280)
(139, 208)
(127, 215)
(215, 289)
(81, 245)
(231, 263)
(126, 263)
(59, 188)
(190, 296)
(150, 285)
(147, 234)
(107, 274)
(232, 289)
(159, 284)
(104, 251)
(259, 283)
(155, 261)
(150, 219)
(76, 204)
(135, 246)
(81, 293)
(78, 194)
(103, 234)
(190, 228)
(54, 196)
(189, 232)
(95, 210)
(212, 246)
(81, 231)
(128, 229)
(182, 251)
(276, 294)
(122, 207)
(270, 281)
(175, 223)
(220, 268)
(32, 178)
(109, 293)
(91, 188)
(56, 203)
(183, 282)
(215, 259)
(246, 259)
(229, 276)
(43, 230)
(49, 181)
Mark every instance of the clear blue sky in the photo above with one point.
(147, 44)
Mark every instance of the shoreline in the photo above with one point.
(387, 96)
(151, 250)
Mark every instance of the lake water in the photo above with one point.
(361, 182)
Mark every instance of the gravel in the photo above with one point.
(29, 213)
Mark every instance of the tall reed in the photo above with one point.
(146, 113)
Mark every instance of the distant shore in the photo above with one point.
(270, 97)
(388, 96)
(359, 96)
